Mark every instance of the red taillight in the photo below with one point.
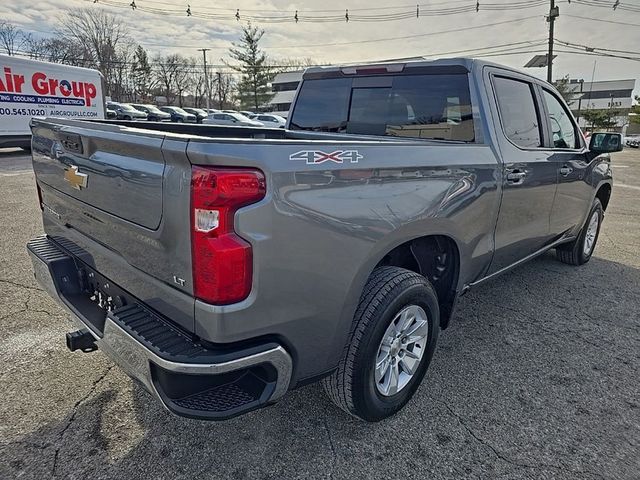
(222, 261)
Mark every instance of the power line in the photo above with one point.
(603, 20)
(608, 4)
(197, 68)
(587, 48)
(356, 42)
(310, 16)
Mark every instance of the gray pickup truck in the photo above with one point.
(223, 266)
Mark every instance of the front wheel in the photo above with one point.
(391, 343)
(580, 250)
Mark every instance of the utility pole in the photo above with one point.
(206, 76)
(554, 12)
(609, 116)
(580, 101)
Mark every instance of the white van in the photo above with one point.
(29, 88)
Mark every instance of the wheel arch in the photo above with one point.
(604, 194)
(436, 257)
(395, 245)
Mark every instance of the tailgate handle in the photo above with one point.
(71, 142)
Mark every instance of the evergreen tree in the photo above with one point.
(566, 89)
(253, 88)
(141, 72)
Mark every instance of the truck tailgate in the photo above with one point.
(125, 171)
(121, 197)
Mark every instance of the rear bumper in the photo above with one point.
(188, 378)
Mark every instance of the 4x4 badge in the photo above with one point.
(315, 157)
(76, 179)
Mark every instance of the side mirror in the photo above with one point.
(605, 143)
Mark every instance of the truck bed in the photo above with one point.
(132, 220)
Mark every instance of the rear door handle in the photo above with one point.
(71, 142)
(565, 170)
(516, 177)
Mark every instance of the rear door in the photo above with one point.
(529, 176)
(568, 152)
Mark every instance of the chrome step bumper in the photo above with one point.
(190, 379)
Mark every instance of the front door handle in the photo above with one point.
(565, 170)
(516, 177)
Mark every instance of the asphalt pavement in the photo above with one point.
(537, 377)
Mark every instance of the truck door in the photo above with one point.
(529, 176)
(569, 155)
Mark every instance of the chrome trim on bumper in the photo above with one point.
(135, 359)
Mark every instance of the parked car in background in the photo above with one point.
(633, 141)
(247, 113)
(213, 110)
(179, 115)
(231, 119)
(125, 111)
(110, 113)
(154, 114)
(274, 121)
(230, 111)
(198, 112)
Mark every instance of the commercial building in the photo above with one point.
(284, 87)
(615, 95)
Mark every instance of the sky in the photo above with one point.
(512, 24)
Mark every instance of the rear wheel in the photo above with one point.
(581, 249)
(392, 341)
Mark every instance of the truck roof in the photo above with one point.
(399, 64)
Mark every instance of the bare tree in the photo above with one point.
(102, 35)
(36, 48)
(11, 38)
(198, 87)
(183, 78)
(121, 75)
(68, 52)
(288, 64)
(223, 87)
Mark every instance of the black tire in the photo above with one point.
(573, 253)
(127, 117)
(352, 385)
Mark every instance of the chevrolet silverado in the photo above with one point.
(222, 266)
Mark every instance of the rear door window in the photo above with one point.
(436, 106)
(518, 113)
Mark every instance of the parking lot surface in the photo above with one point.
(537, 377)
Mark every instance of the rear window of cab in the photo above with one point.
(436, 106)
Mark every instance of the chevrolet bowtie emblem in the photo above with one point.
(76, 179)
